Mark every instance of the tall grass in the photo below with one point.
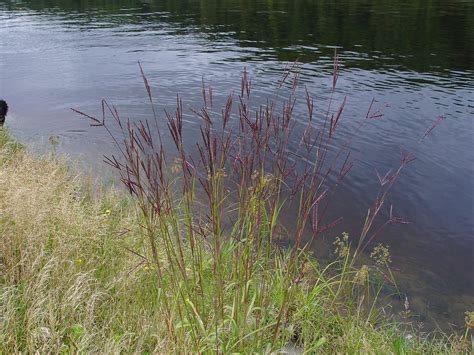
(231, 289)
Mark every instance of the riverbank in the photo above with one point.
(78, 275)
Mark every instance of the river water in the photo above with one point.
(415, 58)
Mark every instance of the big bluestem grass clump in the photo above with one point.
(223, 286)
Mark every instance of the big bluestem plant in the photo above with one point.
(245, 171)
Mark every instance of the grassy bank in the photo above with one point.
(77, 275)
(164, 270)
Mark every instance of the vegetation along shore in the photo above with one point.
(186, 262)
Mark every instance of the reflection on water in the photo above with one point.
(415, 58)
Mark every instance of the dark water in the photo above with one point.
(416, 58)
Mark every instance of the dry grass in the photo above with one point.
(65, 273)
